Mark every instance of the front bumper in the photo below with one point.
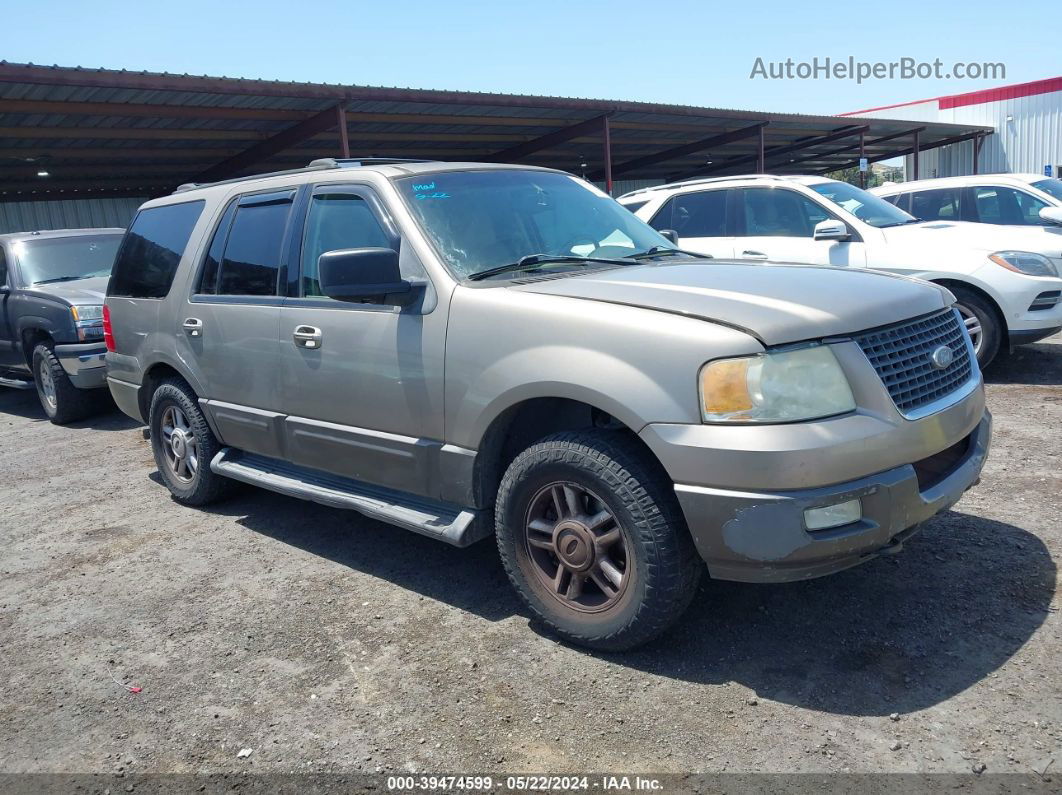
(761, 537)
(84, 364)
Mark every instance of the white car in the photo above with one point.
(1005, 279)
(1000, 199)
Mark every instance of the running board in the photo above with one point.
(449, 523)
(16, 383)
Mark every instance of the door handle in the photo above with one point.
(193, 325)
(749, 254)
(307, 337)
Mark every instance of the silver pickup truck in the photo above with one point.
(473, 349)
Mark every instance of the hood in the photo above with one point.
(774, 303)
(979, 237)
(79, 291)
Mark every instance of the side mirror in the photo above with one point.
(1052, 215)
(357, 274)
(670, 234)
(831, 230)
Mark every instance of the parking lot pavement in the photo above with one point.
(322, 640)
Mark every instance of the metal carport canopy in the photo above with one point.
(100, 132)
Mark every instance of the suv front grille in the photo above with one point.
(902, 355)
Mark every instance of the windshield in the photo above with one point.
(485, 219)
(1052, 187)
(867, 207)
(66, 258)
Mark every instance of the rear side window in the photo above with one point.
(152, 249)
(941, 204)
(700, 214)
(635, 206)
(245, 255)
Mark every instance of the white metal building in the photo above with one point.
(1028, 130)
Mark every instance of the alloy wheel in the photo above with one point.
(576, 547)
(973, 326)
(179, 445)
(47, 383)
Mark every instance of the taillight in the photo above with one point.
(108, 336)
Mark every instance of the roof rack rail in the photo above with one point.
(699, 181)
(320, 164)
(356, 162)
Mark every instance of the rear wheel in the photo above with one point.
(593, 540)
(184, 445)
(982, 323)
(61, 400)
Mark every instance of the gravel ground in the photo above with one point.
(324, 641)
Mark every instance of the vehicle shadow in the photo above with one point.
(898, 634)
(1038, 364)
(471, 579)
(895, 635)
(24, 403)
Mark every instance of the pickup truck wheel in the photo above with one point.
(184, 445)
(981, 322)
(593, 540)
(61, 400)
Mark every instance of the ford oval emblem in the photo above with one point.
(942, 357)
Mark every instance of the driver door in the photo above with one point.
(778, 225)
(362, 383)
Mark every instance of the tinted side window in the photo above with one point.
(251, 262)
(901, 200)
(700, 214)
(3, 267)
(771, 212)
(152, 249)
(997, 205)
(337, 221)
(941, 204)
(635, 206)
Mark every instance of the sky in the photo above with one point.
(691, 53)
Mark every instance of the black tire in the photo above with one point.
(199, 485)
(61, 400)
(976, 309)
(608, 471)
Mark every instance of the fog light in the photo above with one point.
(833, 515)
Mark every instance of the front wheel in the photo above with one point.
(593, 540)
(982, 323)
(61, 400)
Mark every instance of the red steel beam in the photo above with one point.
(685, 149)
(548, 140)
(307, 128)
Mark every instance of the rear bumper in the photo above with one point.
(761, 537)
(84, 363)
(126, 397)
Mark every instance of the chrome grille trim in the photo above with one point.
(901, 356)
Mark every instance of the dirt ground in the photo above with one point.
(323, 641)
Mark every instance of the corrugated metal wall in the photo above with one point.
(1031, 139)
(66, 214)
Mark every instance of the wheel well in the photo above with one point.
(155, 375)
(949, 283)
(520, 426)
(31, 338)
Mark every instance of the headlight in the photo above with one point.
(1026, 262)
(787, 386)
(88, 320)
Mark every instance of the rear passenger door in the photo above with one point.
(228, 329)
(365, 398)
(700, 219)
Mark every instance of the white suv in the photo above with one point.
(1006, 279)
(1000, 199)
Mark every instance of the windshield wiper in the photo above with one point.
(60, 279)
(531, 261)
(657, 251)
